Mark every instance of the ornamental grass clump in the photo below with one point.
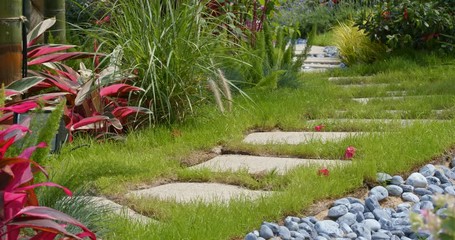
(355, 46)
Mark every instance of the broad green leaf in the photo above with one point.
(25, 83)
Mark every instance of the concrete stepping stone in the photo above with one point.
(118, 209)
(366, 100)
(345, 79)
(295, 137)
(195, 192)
(403, 122)
(366, 85)
(396, 93)
(260, 164)
(318, 65)
(317, 60)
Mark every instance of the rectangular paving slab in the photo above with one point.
(187, 192)
(259, 164)
(295, 137)
(403, 122)
(327, 60)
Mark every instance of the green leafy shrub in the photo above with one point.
(410, 23)
(355, 46)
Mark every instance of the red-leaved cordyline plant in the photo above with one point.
(349, 153)
(18, 203)
(96, 102)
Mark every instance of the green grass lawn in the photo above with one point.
(162, 154)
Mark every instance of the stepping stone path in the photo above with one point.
(319, 58)
(257, 164)
(194, 192)
(295, 137)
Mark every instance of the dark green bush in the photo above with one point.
(411, 24)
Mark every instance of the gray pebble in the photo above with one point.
(351, 235)
(284, 233)
(273, 226)
(292, 226)
(357, 208)
(265, 232)
(371, 203)
(383, 177)
(441, 177)
(427, 198)
(452, 163)
(337, 211)
(450, 190)
(328, 227)
(386, 224)
(381, 213)
(403, 206)
(368, 215)
(407, 188)
(342, 201)
(379, 236)
(345, 228)
(361, 230)
(427, 170)
(435, 189)
(433, 180)
(380, 192)
(397, 180)
(359, 217)
(348, 218)
(372, 224)
(394, 190)
(354, 200)
(417, 180)
(422, 191)
(251, 236)
(426, 205)
(410, 197)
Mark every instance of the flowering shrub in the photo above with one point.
(440, 226)
(410, 23)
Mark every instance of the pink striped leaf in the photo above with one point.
(118, 89)
(122, 112)
(47, 49)
(57, 57)
(88, 123)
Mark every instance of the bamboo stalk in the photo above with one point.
(10, 40)
(55, 8)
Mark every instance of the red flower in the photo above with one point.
(405, 14)
(323, 172)
(318, 128)
(349, 153)
(386, 15)
(106, 19)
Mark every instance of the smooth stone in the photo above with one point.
(407, 188)
(359, 217)
(357, 208)
(328, 227)
(265, 232)
(452, 163)
(304, 234)
(297, 235)
(386, 224)
(321, 238)
(273, 226)
(395, 237)
(403, 207)
(416, 207)
(292, 226)
(405, 238)
(394, 190)
(371, 203)
(422, 191)
(442, 212)
(342, 201)
(251, 236)
(410, 197)
(383, 177)
(417, 180)
(379, 236)
(428, 197)
(345, 228)
(372, 224)
(397, 233)
(380, 192)
(433, 180)
(403, 214)
(441, 177)
(351, 235)
(368, 215)
(427, 170)
(337, 211)
(354, 200)
(446, 185)
(381, 213)
(450, 190)
(348, 218)
(435, 189)
(361, 230)
(284, 233)
(397, 180)
(390, 211)
(401, 221)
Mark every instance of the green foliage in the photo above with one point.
(173, 48)
(411, 24)
(355, 46)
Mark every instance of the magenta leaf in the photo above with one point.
(57, 57)
(47, 184)
(13, 203)
(20, 108)
(323, 172)
(118, 90)
(88, 123)
(122, 112)
(47, 49)
(319, 128)
(45, 225)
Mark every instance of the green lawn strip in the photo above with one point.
(395, 154)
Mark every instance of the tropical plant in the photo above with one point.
(95, 101)
(18, 202)
(410, 24)
(355, 46)
(174, 55)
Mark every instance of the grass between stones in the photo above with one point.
(154, 156)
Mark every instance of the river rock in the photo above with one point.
(397, 180)
(337, 211)
(379, 192)
(417, 180)
(410, 197)
(394, 190)
(328, 227)
(427, 170)
(265, 232)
